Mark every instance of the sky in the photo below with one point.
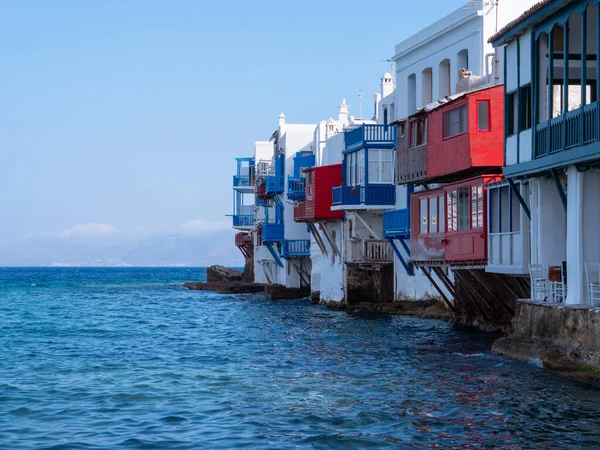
(121, 118)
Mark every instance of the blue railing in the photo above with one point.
(381, 136)
(245, 220)
(272, 232)
(573, 129)
(297, 248)
(373, 194)
(296, 188)
(336, 196)
(396, 223)
(241, 180)
(274, 184)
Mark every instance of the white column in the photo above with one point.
(575, 269)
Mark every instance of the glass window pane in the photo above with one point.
(423, 216)
(516, 213)
(463, 209)
(451, 212)
(504, 209)
(433, 215)
(361, 167)
(483, 122)
(493, 198)
(374, 166)
(441, 215)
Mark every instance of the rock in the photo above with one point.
(248, 275)
(219, 274)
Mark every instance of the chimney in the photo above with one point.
(387, 84)
(343, 113)
(377, 99)
(281, 119)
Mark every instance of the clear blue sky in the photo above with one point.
(127, 114)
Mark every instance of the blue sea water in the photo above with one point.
(129, 359)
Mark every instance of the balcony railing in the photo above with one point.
(373, 194)
(272, 232)
(298, 248)
(265, 167)
(396, 223)
(296, 188)
(242, 181)
(274, 184)
(245, 220)
(569, 130)
(383, 136)
(243, 238)
(369, 251)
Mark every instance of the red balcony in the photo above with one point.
(261, 191)
(458, 139)
(448, 226)
(245, 242)
(319, 184)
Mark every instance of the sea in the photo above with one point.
(127, 358)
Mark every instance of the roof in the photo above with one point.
(539, 6)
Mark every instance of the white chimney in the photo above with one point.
(281, 119)
(377, 99)
(343, 113)
(387, 84)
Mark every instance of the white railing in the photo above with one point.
(369, 251)
(265, 167)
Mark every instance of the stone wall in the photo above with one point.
(368, 285)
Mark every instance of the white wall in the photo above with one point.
(590, 217)
(331, 285)
(549, 221)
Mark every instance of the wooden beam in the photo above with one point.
(440, 290)
(559, 188)
(330, 239)
(517, 192)
(373, 234)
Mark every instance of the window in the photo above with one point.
(418, 132)
(512, 113)
(477, 206)
(424, 215)
(349, 170)
(483, 115)
(441, 215)
(433, 215)
(360, 163)
(455, 121)
(381, 166)
(525, 107)
(463, 209)
(385, 115)
(505, 210)
(451, 211)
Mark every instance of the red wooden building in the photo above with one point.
(319, 184)
(453, 139)
(449, 224)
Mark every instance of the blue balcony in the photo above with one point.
(299, 248)
(396, 224)
(296, 188)
(242, 181)
(272, 232)
(336, 196)
(274, 185)
(370, 195)
(244, 220)
(372, 136)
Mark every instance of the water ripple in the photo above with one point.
(126, 358)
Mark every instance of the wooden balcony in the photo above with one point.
(573, 129)
(298, 248)
(243, 220)
(370, 195)
(272, 232)
(396, 224)
(372, 136)
(296, 188)
(369, 252)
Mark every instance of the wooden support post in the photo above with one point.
(445, 280)
(330, 239)
(559, 188)
(318, 239)
(440, 290)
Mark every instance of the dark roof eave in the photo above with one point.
(530, 17)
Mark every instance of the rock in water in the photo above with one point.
(248, 275)
(218, 274)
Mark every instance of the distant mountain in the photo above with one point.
(169, 250)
